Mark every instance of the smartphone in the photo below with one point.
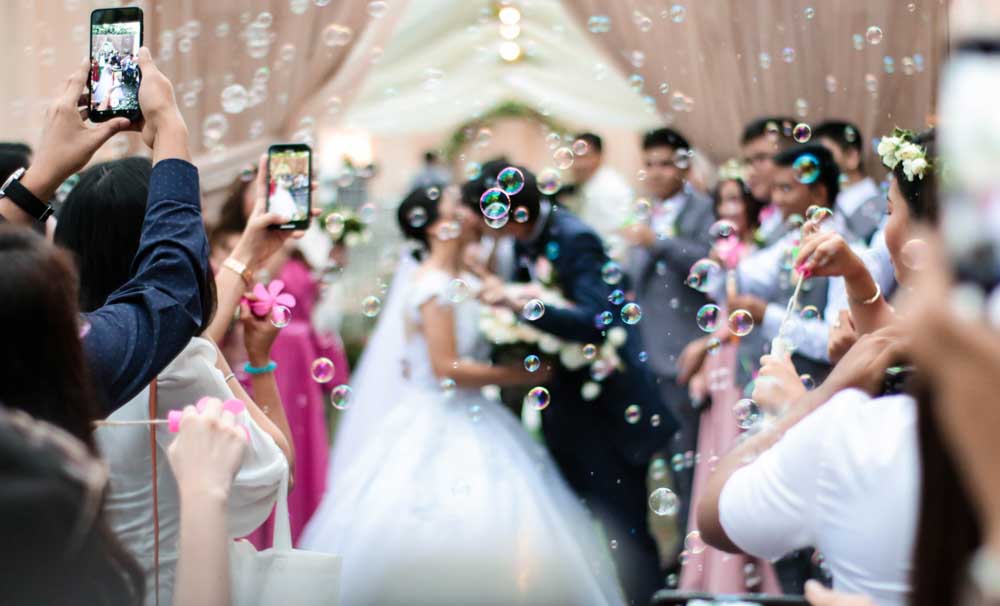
(115, 38)
(289, 183)
(666, 597)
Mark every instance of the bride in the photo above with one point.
(452, 502)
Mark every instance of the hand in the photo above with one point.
(639, 234)
(539, 377)
(208, 450)
(67, 143)
(755, 305)
(818, 595)
(160, 113)
(826, 253)
(691, 359)
(258, 336)
(257, 244)
(842, 336)
(864, 364)
(777, 384)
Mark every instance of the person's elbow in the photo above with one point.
(709, 521)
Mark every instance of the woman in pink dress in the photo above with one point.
(297, 347)
(716, 367)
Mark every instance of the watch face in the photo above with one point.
(13, 176)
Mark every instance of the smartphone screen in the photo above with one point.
(289, 178)
(115, 38)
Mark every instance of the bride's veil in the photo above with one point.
(377, 379)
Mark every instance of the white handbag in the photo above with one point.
(282, 575)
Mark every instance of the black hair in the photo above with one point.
(829, 172)
(845, 134)
(430, 157)
(416, 213)
(593, 141)
(780, 126)
(921, 193)
(751, 206)
(12, 157)
(664, 137)
(101, 223)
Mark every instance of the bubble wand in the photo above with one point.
(816, 215)
(173, 420)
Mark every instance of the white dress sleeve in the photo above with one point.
(428, 285)
(769, 508)
(192, 376)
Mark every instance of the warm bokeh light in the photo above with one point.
(509, 15)
(510, 51)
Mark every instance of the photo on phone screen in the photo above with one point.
(289, 180)
(115, 38)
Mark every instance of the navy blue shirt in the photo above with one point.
(144, 324)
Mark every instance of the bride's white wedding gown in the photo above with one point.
(452, 502)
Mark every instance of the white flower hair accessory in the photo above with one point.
(900, 147)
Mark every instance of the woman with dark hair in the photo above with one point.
(733, 202)
(465, 508)
(840, 466)
(295, 350)
(44, 375)
(101, 223)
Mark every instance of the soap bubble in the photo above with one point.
(416, 217)
(378, 8)
(521, 214)
(663, 502)
(694, 543)
(589, 351)
(580, 147)
(809, 12)
(457, 291)
(563, 158)
(705, 275)
(533, 309)
(611, 273)
(747, 413)
(874, 35)
(605, 318)
(322, 370)
(633, 414)
(677, 13)
(370, 306)
(806, 169)
(510, 180)
(809, 312)
(740, 322)
(807, 381)
(532, 363)
(336, 34)
(281, 316)
(341, 397)
(708, 317)
(722, 230)
(473, 170)
(549, 181)
(599, 24)
(494, 203)
(617, 297)
(631, 313)
(802, 132)
(818, 214)
(538, 398)
(447, 387)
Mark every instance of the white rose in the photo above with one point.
(590, 390)
(887, 145)
(617, 336)
(918, 166)
(352, 239)
(909, 151)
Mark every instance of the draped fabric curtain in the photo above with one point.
(286, 66)
(710, 66)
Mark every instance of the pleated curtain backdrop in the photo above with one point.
(724, 62)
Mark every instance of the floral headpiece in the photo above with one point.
(899, 147)
(733, 169)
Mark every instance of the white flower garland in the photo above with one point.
(900, 148)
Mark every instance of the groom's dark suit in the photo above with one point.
(600, 453)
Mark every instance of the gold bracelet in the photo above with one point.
(240, 269)
(875, 297)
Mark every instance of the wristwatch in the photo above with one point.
(23, 198)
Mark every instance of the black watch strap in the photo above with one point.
(26, 201)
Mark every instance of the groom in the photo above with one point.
(599, 445)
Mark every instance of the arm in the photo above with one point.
(439, 330)
(583, 285)
(680, 252)
(205, 456)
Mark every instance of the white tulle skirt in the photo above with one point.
(452, 502)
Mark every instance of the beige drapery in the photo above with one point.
(203, 46)
(713, 56)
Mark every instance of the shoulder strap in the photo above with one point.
(156, 501)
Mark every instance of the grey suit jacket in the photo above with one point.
(658, 277)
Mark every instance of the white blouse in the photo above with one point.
(191, 376)
(845, 480)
